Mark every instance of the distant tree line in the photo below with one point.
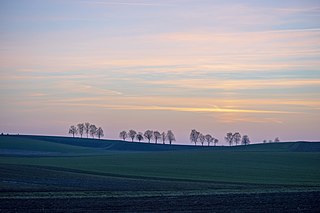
(230, 138)
(276, 140)
(235, 138)
(148, 135)
(86, 128)
(196, 136)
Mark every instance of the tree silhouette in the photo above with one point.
(276, 140)
(80, 128)
(229, 138)
(139, 136)
(209, 139)
(93, 130)
(245, 140)
(156, 136)
(170, 137)
(215, 141)
(194, 135)
(202, 139)
(132, 134)
(73, 130)
(163, 137)
(99, 132)
(264, 141)
(123, 135)
(236, 138)
(149, 135)
(87, 128)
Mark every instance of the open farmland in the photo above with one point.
(41, 172)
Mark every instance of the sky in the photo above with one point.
(215, 66)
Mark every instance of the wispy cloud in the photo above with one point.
(123, 3)
(99, 91)
(37, 94)
(295, 10)
(229, 118)
(178, 109)
(237, 84)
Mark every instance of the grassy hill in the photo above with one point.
(53, 145)
(46, 169)
(276, 163)
(47, 145)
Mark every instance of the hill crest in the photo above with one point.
(57, 145)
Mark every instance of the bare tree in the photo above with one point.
(264, 141)
(73, 130)
(93, 130)
(99, 132)
(209, 139)
(202, 139)
(156, 136)
(194, 135)
(276, 140)
(132, 134)
(80, 129)
(215, 141)
(139, 136)
(229, 138)
(87, 128)
(170, 137)
(236, 138)
(163, 137)
(148, 135)
(245, 140)
(123, 135)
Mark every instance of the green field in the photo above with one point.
(251, 167)
(43, 166)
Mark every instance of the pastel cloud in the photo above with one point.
(239, 84)
(210, 64)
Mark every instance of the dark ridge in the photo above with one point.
(111, 145)
(119, 145)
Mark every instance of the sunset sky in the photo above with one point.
(216, 66)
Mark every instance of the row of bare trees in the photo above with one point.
(196, 136)
(86, 128)
(148, 135)
(156, 136)
(235, 138)
(276, 140)
(231, 138)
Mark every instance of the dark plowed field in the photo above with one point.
(256, 202)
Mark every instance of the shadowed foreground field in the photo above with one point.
(263, 202)
(56, 174)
